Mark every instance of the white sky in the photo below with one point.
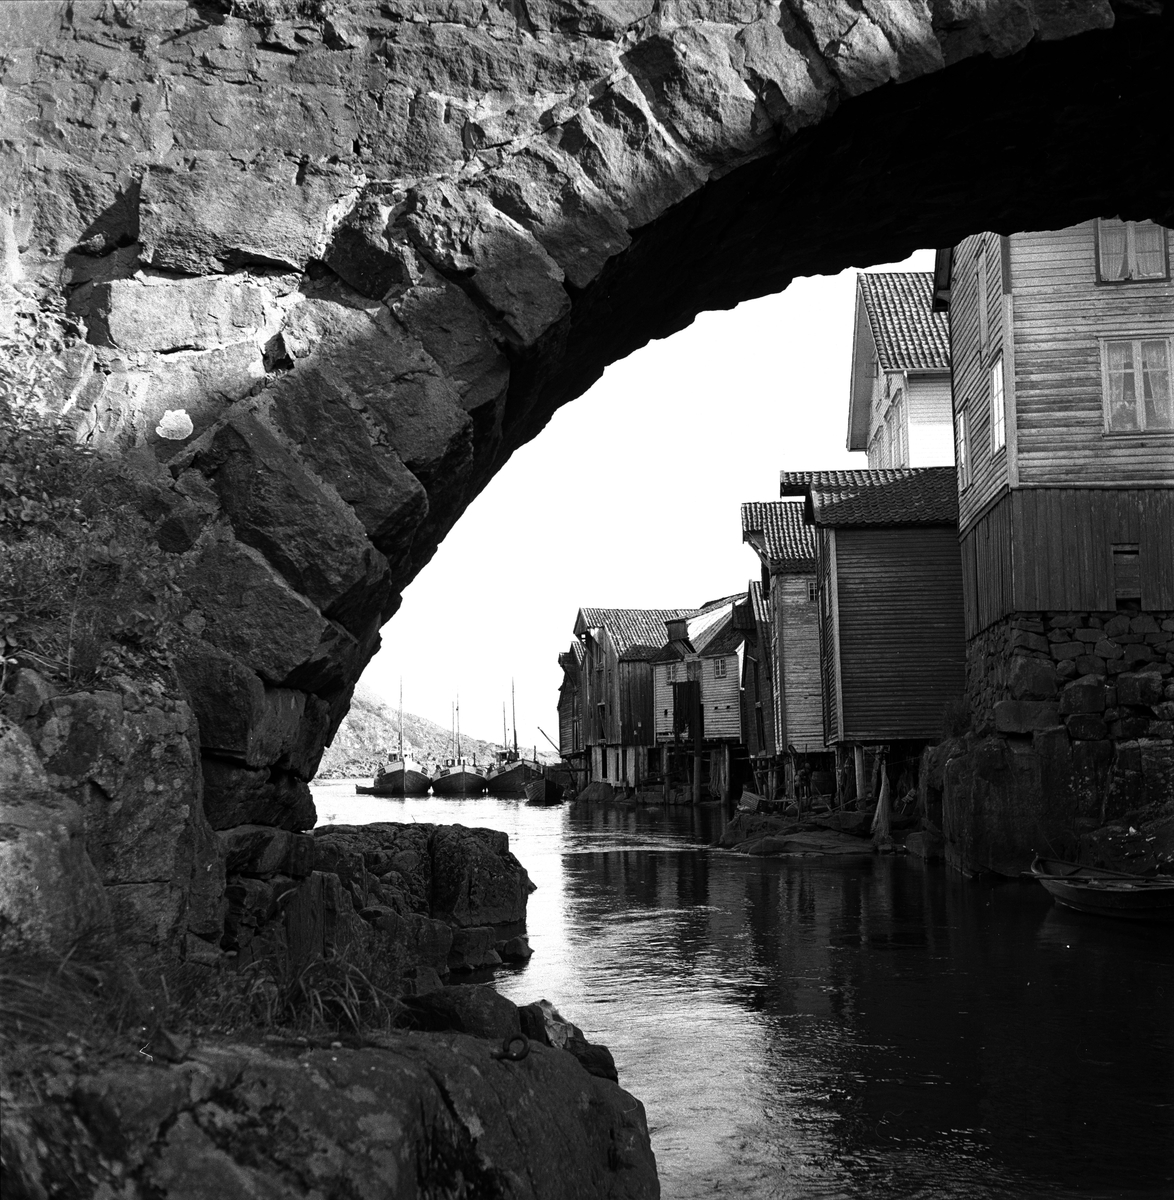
(629, 498)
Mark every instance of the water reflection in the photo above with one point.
(810, 1028)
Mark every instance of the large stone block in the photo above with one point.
(1030, 678)
(1025, 716)
(1083, 695)
(220, 216)
(253, 614)
(475, 878)
(278, 508)
(1139, 688)
(236, 795)
(261, 850)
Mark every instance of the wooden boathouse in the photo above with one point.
(616, 695)
(785, 545)
(892, 647)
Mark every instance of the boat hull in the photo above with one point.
(1106, 893)
(401, 779)
(460, 781)
(543, 791)
(513, 778)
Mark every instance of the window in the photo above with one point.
(719, 668)
(963, 450)
(811, 591)
(998, 407)
(980, 291)
(1131, 250)
(1137, 385)
(670, 673)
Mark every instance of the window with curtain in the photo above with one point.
(1137, 394)
(1130, 250)
(998, 407)
(719, 668)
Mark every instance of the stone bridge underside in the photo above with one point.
(369, 248)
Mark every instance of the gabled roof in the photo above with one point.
(725, 639)
(627, 626)
(904, 496)
(776, 530)
(909, 335)
(674, 651)
(896, 327)
(572, 658)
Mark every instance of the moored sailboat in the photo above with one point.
(457, 776)
(403, 776)
(511, 773)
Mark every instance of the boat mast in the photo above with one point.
(458, 715)
(505, 741)
(514, 706)
(401, 718)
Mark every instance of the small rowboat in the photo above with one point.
(1106, 893)
(543, 791)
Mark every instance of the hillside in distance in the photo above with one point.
(369, 736)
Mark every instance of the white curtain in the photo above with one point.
(1149, 251)
(1114, 250)
(1155, 376)
(1122, 389)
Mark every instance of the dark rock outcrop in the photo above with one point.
(421, 1114)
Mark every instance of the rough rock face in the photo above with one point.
(368, 251)
(422, 1115)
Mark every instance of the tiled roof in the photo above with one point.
(758, 603)
(905, 496)
(909, 335)
(785, 537)
(640, 653)
(628, 626)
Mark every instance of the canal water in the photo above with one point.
(821, 1028)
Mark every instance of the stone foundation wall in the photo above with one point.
(1071, 746)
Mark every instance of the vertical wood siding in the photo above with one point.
(636, 711)
(662, 699)
(802, 691)
(829, 650)
(987, 583)
(901, 635)
(1061, 314)
(971, 368)
(1063, 540)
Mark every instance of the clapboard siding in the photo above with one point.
(986, 567)
(901, 637)
(971, 364)
(1061, 315)
(1063, 546)
(721, 698)
(802, 705)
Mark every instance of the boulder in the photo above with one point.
(1025, 716)
(514, 950)
(597, 791)
(237, 795)
(1083, 695)
(1139, 688)
(1030, 678)
(472, 948)
(466, 1008)
(475, 878)
(542, 1022)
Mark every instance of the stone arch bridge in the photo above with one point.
(369, 248)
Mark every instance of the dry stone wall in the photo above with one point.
(1072, 745)
(333, 260)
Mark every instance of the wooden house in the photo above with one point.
(1063, 356)
(570, 711)
(616, 695)
(890, 606)
(1064, 418)
(706, 724)
(785, 545)
(899, 402)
